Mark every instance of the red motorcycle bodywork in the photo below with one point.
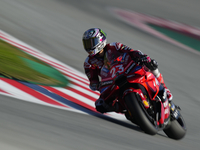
(135, 74)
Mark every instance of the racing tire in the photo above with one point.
(132, 103)
(176, 129)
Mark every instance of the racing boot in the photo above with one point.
(117, 107)
(161, 80)
(172, 106)
(103, 107)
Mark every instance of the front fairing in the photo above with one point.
(148, 81)
(123, 65)
(125, 76)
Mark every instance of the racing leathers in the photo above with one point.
(93, 65)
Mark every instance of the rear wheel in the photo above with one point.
(139, 115)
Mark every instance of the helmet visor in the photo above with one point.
(90, 44)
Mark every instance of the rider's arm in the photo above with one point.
(135, 54)
(151, 64)
(92, 73)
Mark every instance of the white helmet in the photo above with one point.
(94, 40)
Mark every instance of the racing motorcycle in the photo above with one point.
(142, 97)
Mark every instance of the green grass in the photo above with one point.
(13, 66)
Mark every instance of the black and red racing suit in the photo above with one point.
(93, 65)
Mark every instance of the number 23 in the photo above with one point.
(115, 69)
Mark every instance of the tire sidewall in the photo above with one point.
(139, 115)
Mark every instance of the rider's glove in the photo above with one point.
(152, 65)
(143, 60)
(94, 86)
(169, 94)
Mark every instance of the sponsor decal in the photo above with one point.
(172, 107)
(149, 75)
(166, 110)
(105, 70)
(137, 68)
(176, 113)
(146, 104)
(103, 74)
(129, 69)
(106, 83)
(132, 75)
(165, 104)
(116, 70)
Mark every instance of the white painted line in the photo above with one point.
(84, 91)
(77, 96)
(18, 93)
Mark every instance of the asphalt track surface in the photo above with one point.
(56, 27)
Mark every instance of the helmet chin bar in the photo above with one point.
(98, 48)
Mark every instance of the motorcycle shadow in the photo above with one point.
(127, 124)
(119, 122)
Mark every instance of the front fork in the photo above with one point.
(163, 117)
(174, 111)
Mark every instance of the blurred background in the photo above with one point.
(56, 28)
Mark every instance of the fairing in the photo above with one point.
(121, 75)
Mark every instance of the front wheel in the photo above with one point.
(176, 128)
(132, 103)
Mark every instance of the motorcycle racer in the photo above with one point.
(95, 43)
